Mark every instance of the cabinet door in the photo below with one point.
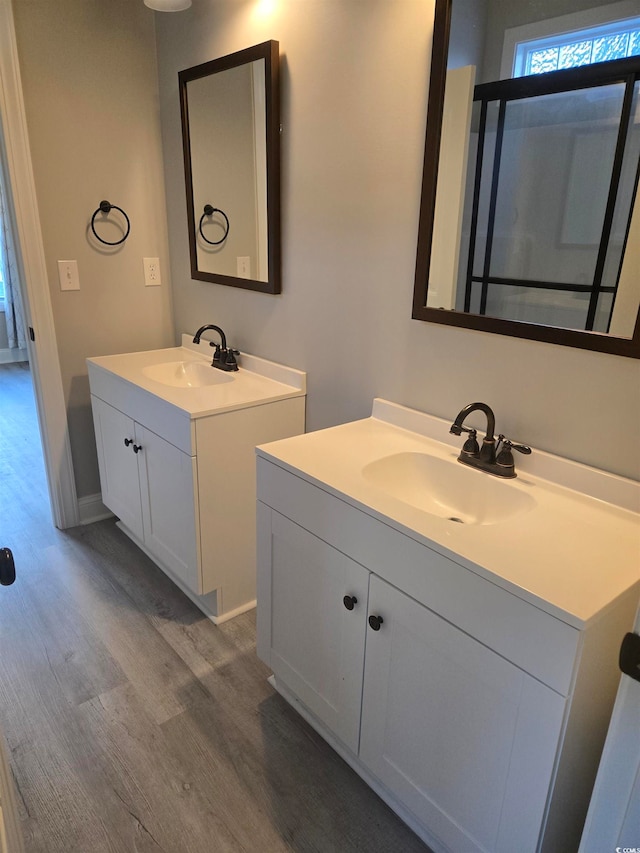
(118, 464)
(317, 644)
(168, 484)
(464, 738)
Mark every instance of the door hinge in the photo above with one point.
(32, 334)
(630, 656)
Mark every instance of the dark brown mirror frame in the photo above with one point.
(565, 337)
(270, 52)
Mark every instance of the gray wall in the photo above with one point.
(89, 79)
(467, 35)
(354, 101)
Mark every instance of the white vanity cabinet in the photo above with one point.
(472, 712)
(177, 462)
(152, 487)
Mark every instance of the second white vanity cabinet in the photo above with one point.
(459, 735)
(476, 713)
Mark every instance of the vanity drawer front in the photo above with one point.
(158, 415)
(534, 640)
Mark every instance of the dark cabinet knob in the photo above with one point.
(375, 622)
(349, 601)
(128, 441)
(137, 448)
(7, 567)
(630, 656)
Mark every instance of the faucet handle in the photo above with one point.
(230, 361)
(505, 456)
(509, 445)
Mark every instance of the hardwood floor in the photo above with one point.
(134, 723)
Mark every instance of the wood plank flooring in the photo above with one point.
(135, 724)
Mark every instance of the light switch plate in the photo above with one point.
(243, 266)
(68, 275)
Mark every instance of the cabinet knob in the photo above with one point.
(137, 448)
(349, 601)
(128, 441)
(7, 567)
(375, 622)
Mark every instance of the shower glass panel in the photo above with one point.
(627, 192)
(543, 174)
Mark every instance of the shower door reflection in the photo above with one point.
(551, 182)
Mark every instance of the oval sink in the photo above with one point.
(186, 374)
(447, 489)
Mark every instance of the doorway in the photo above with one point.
(15, 159)
(23, 483)
(21, 463)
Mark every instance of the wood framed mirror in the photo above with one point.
(231, 146)
(538, 240)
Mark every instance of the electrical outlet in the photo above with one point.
(151, 272)
(68, 275)
(243, 266)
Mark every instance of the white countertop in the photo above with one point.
(257, 381)
(572, 555)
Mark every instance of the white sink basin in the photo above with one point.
(447, 489)
(183, 381)
(561, 535)
(186, 374)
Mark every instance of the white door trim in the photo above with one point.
(613, 817)
(43, 352)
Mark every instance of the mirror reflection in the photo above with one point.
(230, 132)
(534, 223)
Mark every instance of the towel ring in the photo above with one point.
(106, 207)
(209, 211)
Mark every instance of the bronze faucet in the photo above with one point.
(493, 457)
(223, 358)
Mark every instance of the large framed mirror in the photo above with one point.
(231, 146)
(529, 225)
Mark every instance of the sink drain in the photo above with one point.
(456, 519)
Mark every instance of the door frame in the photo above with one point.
(34, 286)
(616, 795)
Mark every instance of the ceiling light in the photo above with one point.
(168, 5)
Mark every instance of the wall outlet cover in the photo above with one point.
(151, 272)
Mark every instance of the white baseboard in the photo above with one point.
(91, 508)
(8, 356)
